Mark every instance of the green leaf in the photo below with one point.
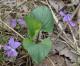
(39, 51)
(33, 24)
(44, 14)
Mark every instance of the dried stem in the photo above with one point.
(51, 62)
(78, 20)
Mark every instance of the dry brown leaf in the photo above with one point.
(64, 50)
(67, 53)
(68, 63)
(55, 59)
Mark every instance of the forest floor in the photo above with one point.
(65, 37)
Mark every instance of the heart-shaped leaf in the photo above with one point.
(37, 51)
(33, 24)
(44, 14)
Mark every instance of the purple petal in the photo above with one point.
(62, 13)
(13, 23)
(13, 44)
(11, 41)
(21, 21)
(6, 47)
(67, 18)
(11, 53)
(16, 44)
(72, 23)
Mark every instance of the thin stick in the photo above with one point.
(78, 20)
(74, 38)
(51, 61)
(77, 48)
(76, 11)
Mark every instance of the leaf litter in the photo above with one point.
(61, 49)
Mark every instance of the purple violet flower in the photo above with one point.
(10, 48)
(72, 23)
(67, 18)
(20, 21)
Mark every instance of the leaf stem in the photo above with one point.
(37, 38)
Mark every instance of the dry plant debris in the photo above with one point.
(65, 38)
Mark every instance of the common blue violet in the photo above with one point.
(14, 22)
(67, 18)
(10, 48)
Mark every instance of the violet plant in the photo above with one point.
(14, 22)
(10, 48)
(67, 18)
(40, 19)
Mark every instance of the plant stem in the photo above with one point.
(37, 38)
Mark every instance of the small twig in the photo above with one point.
(68, 42)
(74, 38)
(22, 57)
(78, 20)
(51, 61)
(59, 33)
(75, 11)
